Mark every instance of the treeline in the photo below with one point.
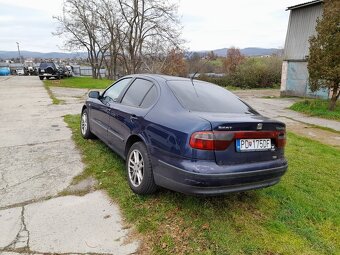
(122, 35)
(136, 36)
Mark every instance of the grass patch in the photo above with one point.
(51, 95)
(317, 107)
(232, 88)
(300, 215)
(80, 83)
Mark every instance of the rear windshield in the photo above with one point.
(46, 64)
(206, 97)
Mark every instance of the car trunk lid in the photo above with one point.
(250, 138)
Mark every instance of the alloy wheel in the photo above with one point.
(136, 168)
(84, 123)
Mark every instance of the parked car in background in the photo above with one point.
(185, 135)
(4, 71)
(49, 70)
(29, 68)
(20, 71)
(68, 71)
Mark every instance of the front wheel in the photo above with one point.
(139, 170)
(85, 125)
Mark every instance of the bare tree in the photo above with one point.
(111, 21)
(81, 27)
(146, 21)
(130, 33)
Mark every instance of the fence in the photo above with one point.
(86, 71)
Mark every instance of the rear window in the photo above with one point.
(47, 64)
(206, 97)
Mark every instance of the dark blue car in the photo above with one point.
(185, 135)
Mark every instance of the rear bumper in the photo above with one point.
(232, 179)
(49, 75)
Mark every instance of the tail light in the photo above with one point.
(209, 140)
(220, 140)
(281, 139)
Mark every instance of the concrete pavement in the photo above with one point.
(38, 160)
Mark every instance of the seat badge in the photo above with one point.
(259, 126)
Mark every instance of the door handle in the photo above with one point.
(133, 117)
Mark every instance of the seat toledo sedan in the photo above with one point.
(185, 135)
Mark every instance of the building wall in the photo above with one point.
(301, 26)
(294, 81)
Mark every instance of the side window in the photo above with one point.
(113, 92)
(150, 97)
(136, 92)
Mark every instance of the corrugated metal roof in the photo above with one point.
(303, 4)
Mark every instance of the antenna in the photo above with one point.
(192, 77)
(192, 82)
(203, 64)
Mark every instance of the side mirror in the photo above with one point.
(94, 94)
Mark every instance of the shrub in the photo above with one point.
(258, 73)
(252, 73)
(221, 81)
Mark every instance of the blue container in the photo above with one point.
(4, 71)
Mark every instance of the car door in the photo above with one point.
(101, 108)
(128, 115)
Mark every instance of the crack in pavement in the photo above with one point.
(2, 80)
(44, 198)
(21, 241)
(4, 190)
(3, 178)
(33, 144)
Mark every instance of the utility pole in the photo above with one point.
(19, 52)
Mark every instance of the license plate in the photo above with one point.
(253, 145)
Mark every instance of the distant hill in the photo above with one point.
(252, 51)
(32, 54)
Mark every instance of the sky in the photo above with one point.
(207, 25)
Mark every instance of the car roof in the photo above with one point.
(160, 77)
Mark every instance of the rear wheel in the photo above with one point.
(139, 170)
(85, 125)
(41, 77)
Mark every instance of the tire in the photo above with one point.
(139, 170)
(49, 70)
(41, 77)
(85, 125)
